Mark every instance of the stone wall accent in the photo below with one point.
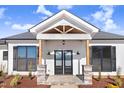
(41, 74)
(87, 74)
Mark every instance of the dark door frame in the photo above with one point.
(63, 62)
(60, 67)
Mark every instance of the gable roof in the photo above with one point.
(22, 36)
(107, 36)
(63, 18)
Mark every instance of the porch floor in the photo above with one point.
(64, 81)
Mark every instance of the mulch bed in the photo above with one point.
(25, 82)
(100, 84)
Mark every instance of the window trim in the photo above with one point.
(17, 58)
(112, 58)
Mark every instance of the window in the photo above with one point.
(25, 58)
(103, 58)
(21, 57)
(5, 55)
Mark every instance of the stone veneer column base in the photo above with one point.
(87, 74)
(41, 74)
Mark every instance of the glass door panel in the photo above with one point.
(58, 62)
(68, 62)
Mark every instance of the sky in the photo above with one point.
(15, 19)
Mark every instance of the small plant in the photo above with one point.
(1, 73)
(118, 82)
(18, 77)
(30, 75)
(14, 81)
(2, 70)
(30, 70)
(119, 72)
(99, 74)
(111, 86)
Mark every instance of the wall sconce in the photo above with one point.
(48, 53)
(78, 53)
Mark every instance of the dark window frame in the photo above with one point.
(5, 55)
(16, 58)
(112, 58)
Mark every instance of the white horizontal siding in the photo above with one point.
(3, 63)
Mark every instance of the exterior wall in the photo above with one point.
(119, 53)
(78, 60)
(50, 46)
(10, 53)
(3, 63)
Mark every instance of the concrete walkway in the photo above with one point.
(64, 81)
(64, 86)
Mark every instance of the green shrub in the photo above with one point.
(111, 86)
(14, 81)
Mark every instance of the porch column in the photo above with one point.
(40, 52)
(87, 69)
(87, 53)
(41, 68)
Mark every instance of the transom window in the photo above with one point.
(25, 58)
(103, 58)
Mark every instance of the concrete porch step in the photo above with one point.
(64, 81)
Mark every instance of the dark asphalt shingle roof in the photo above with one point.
(98, 36)
(107, 36)
(2, 42)
(22, 36)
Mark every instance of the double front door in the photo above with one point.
(63, 61)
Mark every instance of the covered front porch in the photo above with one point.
(63, 49)
(64, 57)
(63, 54)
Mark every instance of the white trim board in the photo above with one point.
(68, 17)
(63, 36)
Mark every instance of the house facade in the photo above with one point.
(63, 43)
